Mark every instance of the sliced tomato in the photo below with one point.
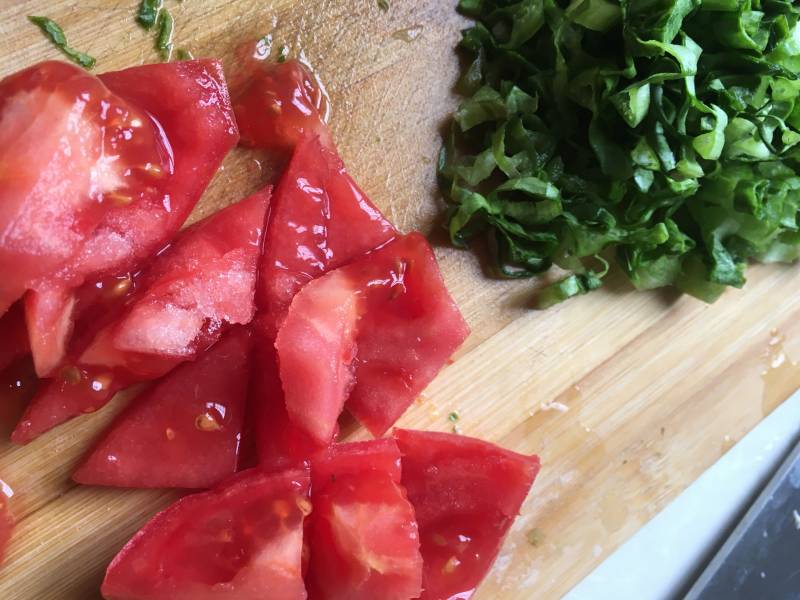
(280, 444)
(363, 536)
(203, 281)
(182, 433)
(200, 285)
(6, 519)
(240, 541)
(281, 104)
(466, 494)
(320, 220)
(321, 323)
(404, 328)
(69, 151)
(14, 337)
(187, 104)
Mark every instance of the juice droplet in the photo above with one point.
(781, 375)
(409, 34)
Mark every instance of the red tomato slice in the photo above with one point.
(280, 444)
(204, 280)
(6, 519)
(240, 541)
(188, 105)
(185, 431)
(14, 336)
(404, 326)
(320, 220)
(321, 323)
(70, 149)
(363, 536)
(198, 286)
(466, 493)
(281, 104)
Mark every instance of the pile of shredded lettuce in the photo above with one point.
(666, 130)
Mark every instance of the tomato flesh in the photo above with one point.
(49, 313)
(363, 536)
(466, 494)
(321, 323)
(404, 330)
(320, 220)
(240, 541)
(280, 105)
(70, 149)
(187, 105)
(185, 431)
(200, 285)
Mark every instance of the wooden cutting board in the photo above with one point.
(627, 397)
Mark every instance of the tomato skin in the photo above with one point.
(14, 335)
(65, 139)
(196, 288)
(320, 220)
(280, 444)
(183, 432)
(363, 536)
(280, 105)
(171, 95)
(241, 540)
(466, 494)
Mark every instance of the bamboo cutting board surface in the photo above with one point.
(627, 397)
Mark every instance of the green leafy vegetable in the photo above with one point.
(56, 35)
(383, 5)
(148, 13)
(283, 53)
(668, 131)
(166, 27)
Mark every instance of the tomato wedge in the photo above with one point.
(402, 323)
(280, 105)
(187, 105)
(363, 536)
(182, 433)
(466, 494)
(14, 337)
(319, 220)
(70, 149)
(200, 285)
(240, 541)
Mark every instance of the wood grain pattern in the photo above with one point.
(627, 397)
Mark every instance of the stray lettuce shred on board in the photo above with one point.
(56, 35)
(665, 129)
